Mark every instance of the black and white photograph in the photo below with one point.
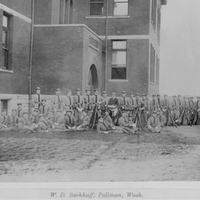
(99, 91)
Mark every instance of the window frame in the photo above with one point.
(121, 1)
(97, 2)
(115, 65)
(6, 47)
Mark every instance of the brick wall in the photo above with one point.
(16, 82)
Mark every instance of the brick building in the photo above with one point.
(14, 51)
(111, 45)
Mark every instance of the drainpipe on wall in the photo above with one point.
(106, 40)
(31, 58)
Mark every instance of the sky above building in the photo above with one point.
(180, 48)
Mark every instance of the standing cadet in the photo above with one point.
(19, 110)
(198, 110)
(154, 104)
(68, 101)
(123, 101)
(179, 103)
(79, 105)
(159, 102)
(165, 104)
(96, 98)
(37, 99)
(88, 103)
(103, 102)
(147, 107)
(139, 107)
(44, 108)
(175, 108)
(185, 111)
(57, 102)
(131, 104)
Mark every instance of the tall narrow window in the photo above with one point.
(152, 65)
(120, 7)
(157, 70)
(5, 41)
(96, 7)
(119, 69)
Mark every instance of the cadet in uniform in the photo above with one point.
(37, 99)
(84, 125)
(44, 108)
(3, 120)
(175, 108)
(19, 110)
(79, 105)
(123, 101)
(88, 103)
(70, 121)
(13, 120)
(159, 102)
(103, 103)
(154, 123)
(185, 112)
(57, 102)
(69, 101)
(154, 104)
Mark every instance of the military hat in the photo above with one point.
(37, 88)
(158, 95)
(153, 95)
(35, 110)
(123, 92)
(58, 89)
(19, 104)
(44, 99)
(69, 110)
(78, 89)
(154, 111)
(104, 92)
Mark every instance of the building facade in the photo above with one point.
(14, 52)
(110, 45)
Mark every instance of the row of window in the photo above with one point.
(120, 7)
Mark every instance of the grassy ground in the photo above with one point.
(91, 156)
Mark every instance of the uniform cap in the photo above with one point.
(123, 92)
(35, 110)
(69, 110)
(104, 92)
(78, 89)
(58, 89)
(153, 95)
(158, 95)
(154, 111)
(43, 99)
(37, 88)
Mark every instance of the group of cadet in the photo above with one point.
(118, 115)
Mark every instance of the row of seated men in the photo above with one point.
(59, 121)
(184, 110)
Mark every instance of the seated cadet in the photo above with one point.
(59, 125)
(13, 120)
(102, 126)
(130, 119)
(19, 110)
(162, 118)
(34, 119)
(3, 120)
(70, 121)
(84, 123)
(153, 123)
(124, 123)
(108, 119)
(24, 126)
(43, 124)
